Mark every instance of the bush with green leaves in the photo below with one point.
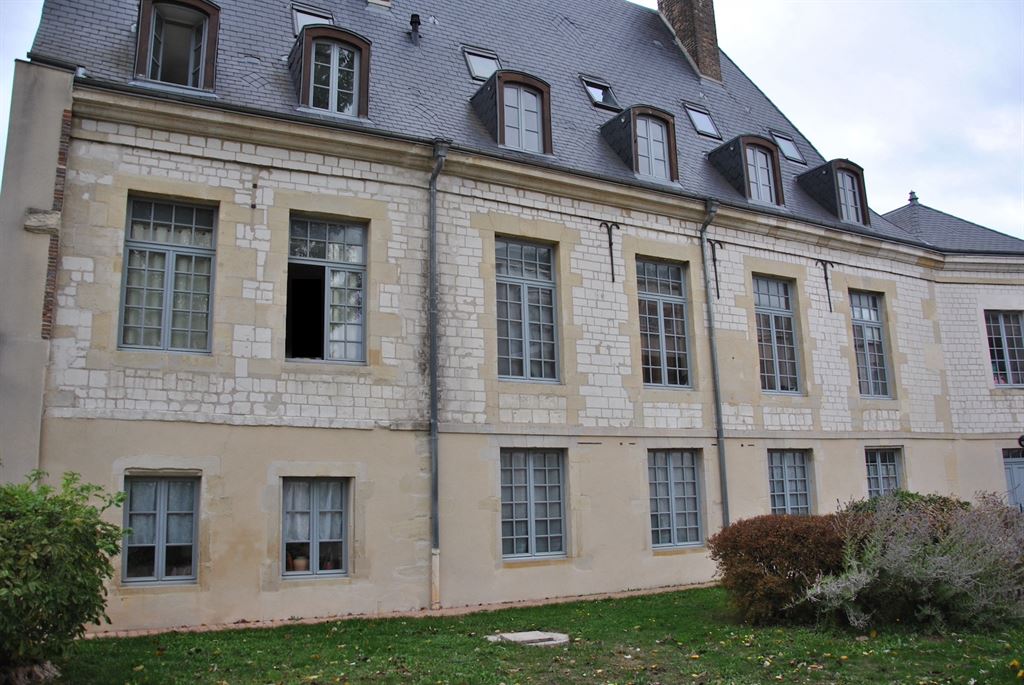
(928, 564)
(906, 500)
(766, 563)
(55, 558)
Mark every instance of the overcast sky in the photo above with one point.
(924, 94)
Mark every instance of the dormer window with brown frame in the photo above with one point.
(516, 109)
(331, 70)
(178, 42)
(838, 186)
(751, 165)
(645, 139)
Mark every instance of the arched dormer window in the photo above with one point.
(516, 108)
(850, 206)
(751, 165)
(331, 70)
(177, 42)
(838, 186)
(645, 139)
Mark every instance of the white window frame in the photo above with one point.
(849, 197)
(664, 492)
(1007, 354)
(171, 251)
(884, 470)
(872, 366)
(509, 502)
(648, 163)
(661, 300)
(157, 40)
(520, 117)
(790, 481)
(160, 543)
(315, 538)
(332, 266)
(526, 284)
(776, 315)
(335, 67)
(760, 177)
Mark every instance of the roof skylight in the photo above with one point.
(303, 15)
(702, 121)
(481, 63)
(788, 147)
(600, 93)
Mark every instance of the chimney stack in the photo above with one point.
(693, 22)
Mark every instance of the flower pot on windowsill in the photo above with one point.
(327, 565)
(300, 564)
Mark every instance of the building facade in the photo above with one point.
(370, 312)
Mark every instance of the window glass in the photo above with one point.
(776, 335)
(600, 93)
(788, 147)
(527, 331)
(652, 147)
(313, 526)
(788, 482)
(869, 344)
(481, 64)
(883, 471)
(177, 45)
(166, 302)
(760, 176)
(702, 121)
(849, 198)
(532, 503)
(326, 314)
(162, 515)
(304, 16)
(335, 77)
(1005, 330)
(663, 328)
(674, 483)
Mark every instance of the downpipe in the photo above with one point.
(711, 209)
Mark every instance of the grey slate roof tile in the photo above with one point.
(423, 90)
(952, 233)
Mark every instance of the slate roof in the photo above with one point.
(423, 90)
(952, 233)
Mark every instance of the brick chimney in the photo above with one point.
(693, 22)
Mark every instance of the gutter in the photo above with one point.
(440, 154)
(711, 209)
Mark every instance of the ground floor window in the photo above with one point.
(883, 471)
(675, 497)
(314, 526)
(788, 481)
(162, 516)
(532, 503)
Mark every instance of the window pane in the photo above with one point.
(140, 562)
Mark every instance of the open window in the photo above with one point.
(178, 42)
(331, 70)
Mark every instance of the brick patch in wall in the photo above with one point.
(53, 251)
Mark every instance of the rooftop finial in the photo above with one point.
(913, 197)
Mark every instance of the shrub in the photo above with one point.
(56, 557)
(906, 500)
(930, 566)
(767, 563)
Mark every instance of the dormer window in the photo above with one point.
(178, 42)
(838, 186)
(751, 165)
(651, 147)
(515, 108)
(645, 138)
(849, 197)
(331, 69)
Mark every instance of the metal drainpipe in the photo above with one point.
(440, 154)
(711, 209)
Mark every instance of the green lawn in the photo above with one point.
(682, 637)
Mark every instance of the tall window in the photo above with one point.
(868, 344)
(652, 142)
(532, 503)
(168, 276)
(662, 298)
(523, 123)
(334, 84)
(162, 516)
(776, 335)
(326, 317)
(1013, 465)
(673, 477)
(526, 310)
(849, 198)
(178, 42)
(314, 526)
(788, 482)
(760, 176)
(883, 471)
(1006, 346)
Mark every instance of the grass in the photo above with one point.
(681, 637)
